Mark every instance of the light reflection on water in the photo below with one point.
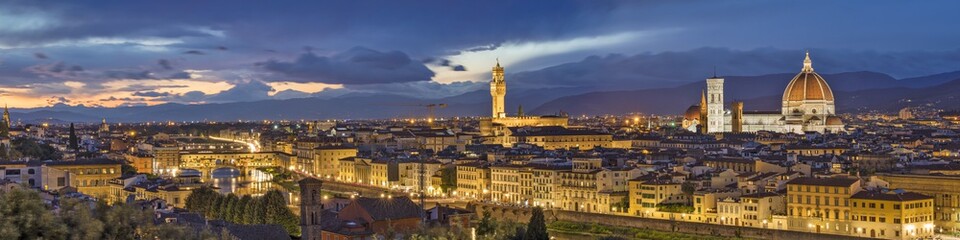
(230, 180)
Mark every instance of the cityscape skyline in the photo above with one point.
(492, 120)
(52, 55)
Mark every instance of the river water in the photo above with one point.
(230, 180)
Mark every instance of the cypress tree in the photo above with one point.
(74, 143)
(486, 225)
(238, 211)
(4, 129)
(537, 227)
(213, 211)
(254, 213)
(276, 212)
(4, 152)
(273, 206)
(230, 211)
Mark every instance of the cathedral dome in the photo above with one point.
(834, 120)
(692, 113)
(808, 85)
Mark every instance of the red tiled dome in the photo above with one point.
(808, 85)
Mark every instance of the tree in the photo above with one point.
(537, 227)
(26, 147)
(271, 208)
(4, 129)
(448, 176)
(221, 208)
(276, 212)
(74, 143)
(202, 200)
(229, 213)
(254, 214)
(127, 169)
(688, 188)
(125, 221)
(23, 215)
(4, 152)
(486, 225)
(78, 217)
(239, 213)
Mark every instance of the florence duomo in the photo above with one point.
(808, 106)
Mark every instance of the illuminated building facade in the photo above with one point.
(821, 205)
(892, 215)
(807, 106)
(495, 128)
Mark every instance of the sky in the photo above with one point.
(134, 53)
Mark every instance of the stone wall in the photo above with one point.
(522, 215)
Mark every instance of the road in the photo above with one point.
(368, 191)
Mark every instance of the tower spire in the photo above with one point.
(498, 90)
(703, 98)
(703, 112)
(807, 64)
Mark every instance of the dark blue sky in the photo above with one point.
(114, 53)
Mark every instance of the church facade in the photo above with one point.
(807, 106)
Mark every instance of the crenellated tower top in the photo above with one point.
(498, 72)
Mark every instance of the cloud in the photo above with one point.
(45, 89)
(243, 92)
(55, 100)
(133, 104)
(122, 74)
(290, 93)
(648, 70)
(102, 38)
(165, 64)
(355, 66)
(240, 92)
(57, 69)
(179, 75)
(485, 48)
(151, 94)
(141, 87)
(112, 98)
(410, 89)
(188, 97)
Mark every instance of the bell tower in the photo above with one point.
(498, 90)
(715, 112)
(6, 115)
(311, 207)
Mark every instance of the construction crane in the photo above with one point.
(431, 108)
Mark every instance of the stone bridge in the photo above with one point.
(245, 162)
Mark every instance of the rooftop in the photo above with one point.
(898, 196)
(831, 182)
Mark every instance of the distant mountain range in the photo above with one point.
(855, 91)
